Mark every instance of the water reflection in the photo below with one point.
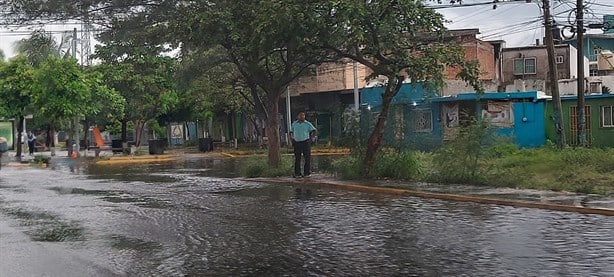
(183, 219)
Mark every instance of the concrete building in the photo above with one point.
(526, 68)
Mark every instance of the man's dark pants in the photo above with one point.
(31, 146)
(302, 148)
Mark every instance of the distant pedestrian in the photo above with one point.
(302, 134)
(3, 148)
(31, 142)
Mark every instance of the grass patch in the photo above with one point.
(258, 167)
(479, 157)
(579, 170)
(41, 160)
(347, 167)
(389, 164)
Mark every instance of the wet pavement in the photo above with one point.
(192, 218)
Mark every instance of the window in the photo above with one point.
(518, 66)
(529, 66)
(607, 116)
(595, 87)
(559, 59)
(423, 120)
(524, 66)
(574, 124)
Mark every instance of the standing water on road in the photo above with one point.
(183, 219)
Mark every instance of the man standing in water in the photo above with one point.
(302, 134)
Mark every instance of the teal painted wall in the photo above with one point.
(590, 43)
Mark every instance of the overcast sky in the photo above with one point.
(518, 23)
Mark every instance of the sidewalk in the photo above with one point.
(549, 200)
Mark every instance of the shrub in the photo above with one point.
(348, 167)
(397, 165)
(460, 160)
(39, 160)
(258, 167)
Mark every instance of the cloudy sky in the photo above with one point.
(516, 22)
(520, 23)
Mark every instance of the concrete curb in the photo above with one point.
(138, 160)
(441, 196)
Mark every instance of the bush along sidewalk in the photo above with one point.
(479, 157)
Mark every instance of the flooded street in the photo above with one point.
(191, 219)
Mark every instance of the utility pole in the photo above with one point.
(581, 139)
(75, 124)
(356, 98)
(553, 75)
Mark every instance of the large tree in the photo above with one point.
(401, 40)
(211, 85)
(273, 42)
(61, 91)
(144, 77)
(16, 84)
(266, 40)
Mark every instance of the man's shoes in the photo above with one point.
(297, 176)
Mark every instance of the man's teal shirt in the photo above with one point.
(301, 130)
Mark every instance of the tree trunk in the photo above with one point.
(52, 135)
(375, 139)
(272, 130)
(19, 145)
(139, 126)
(125, 130)
(86, 129)
(48, 138)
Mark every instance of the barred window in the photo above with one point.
(423, 120)
(607, 116)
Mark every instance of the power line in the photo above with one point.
(491, 3)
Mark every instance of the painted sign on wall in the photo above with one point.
(499, 114)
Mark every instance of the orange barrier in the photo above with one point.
(98, 137)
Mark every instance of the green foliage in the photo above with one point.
(461, 160)
(109, 104)
(348, 167)
(61, 90)
(38, 47)
(142, 76)
(16, 85)
(159, 130)
(404, 165)
(40, 160)
(257, 167)
(351, 135)
(397, 165)
(399, 40)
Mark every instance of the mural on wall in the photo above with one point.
(499, 114)
(450, 112)
(176, 131)
(451, 120)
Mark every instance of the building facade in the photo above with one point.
(526, 68)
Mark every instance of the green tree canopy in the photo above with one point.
(401, 40)
(16, 92)
(144, 77)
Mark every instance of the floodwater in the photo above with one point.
(192, 219)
